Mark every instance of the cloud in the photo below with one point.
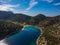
(56, 4)
(31, 4)
(5, 1)
(48, 1)
(8, 7)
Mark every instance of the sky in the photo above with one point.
(31, 7)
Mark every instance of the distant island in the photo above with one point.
(11, 23)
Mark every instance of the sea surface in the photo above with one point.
(27, 36)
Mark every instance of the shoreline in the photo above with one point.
(39, 37)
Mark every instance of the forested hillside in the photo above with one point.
(8, 28)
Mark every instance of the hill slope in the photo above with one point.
(50, 26)
(8, 28)
(51, 31)
(4, 15)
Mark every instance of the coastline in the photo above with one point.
(39, 37)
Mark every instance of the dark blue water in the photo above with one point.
(27, 36)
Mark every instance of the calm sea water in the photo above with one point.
(27, 36)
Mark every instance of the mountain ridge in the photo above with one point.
(50, 26)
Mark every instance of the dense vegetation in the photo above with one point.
(8, 28)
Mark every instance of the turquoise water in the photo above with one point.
(27, 36)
